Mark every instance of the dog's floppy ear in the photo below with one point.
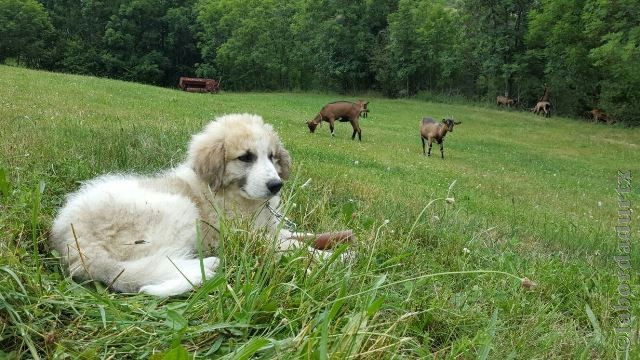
(208, 160)
(284, 162)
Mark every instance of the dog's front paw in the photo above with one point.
(189, 275)
(210, 266)
(346, 256)
(191, 271)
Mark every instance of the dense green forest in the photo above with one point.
(585, 51)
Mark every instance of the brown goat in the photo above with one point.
(504, 101)
(542, 107)
(546, 96)
(342, 111)
(432, 130)
(601, 116)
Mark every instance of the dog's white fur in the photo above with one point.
(139, 234)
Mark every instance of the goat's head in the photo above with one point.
(448, 124)
(361, 105)
(312, 126)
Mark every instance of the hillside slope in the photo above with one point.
(533, 197)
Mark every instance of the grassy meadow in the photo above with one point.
(428, 278)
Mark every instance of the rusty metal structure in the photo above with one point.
(199, 85)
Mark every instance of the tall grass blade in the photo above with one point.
(36, 200)
(247, 350)
(177, 353)
(5, 188)
(594, 322)
(486, 347)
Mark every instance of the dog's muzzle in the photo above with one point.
(274, 186)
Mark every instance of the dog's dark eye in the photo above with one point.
(271, 157)
(247, 157)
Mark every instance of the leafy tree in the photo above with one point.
(180, 44)
(419, 53)
(80, 26)
(25, 30)
(301, 44)
(148, 40)
(333, 43)
(617, 56)
(496, 31)
(557, 37)
(247, 43)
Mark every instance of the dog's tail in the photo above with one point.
(155, 275)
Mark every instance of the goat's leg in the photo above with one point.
(356, 130)
(430, 143)
(424, 152)
(331, 120)
(442, 149)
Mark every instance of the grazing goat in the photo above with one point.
(601, 116)
(542, 107)
(342, 111)
(504, 101)
(432, 130)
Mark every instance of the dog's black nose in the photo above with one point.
(274, 186)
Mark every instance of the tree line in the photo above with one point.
(587, 52)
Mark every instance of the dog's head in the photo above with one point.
(240, 151)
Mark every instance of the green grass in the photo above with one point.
(534, 198)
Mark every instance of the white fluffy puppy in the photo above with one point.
(139, 233)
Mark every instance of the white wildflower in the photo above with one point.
(528, 284)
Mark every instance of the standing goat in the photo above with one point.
(504, 101)
(432, 130)
(542, 107)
